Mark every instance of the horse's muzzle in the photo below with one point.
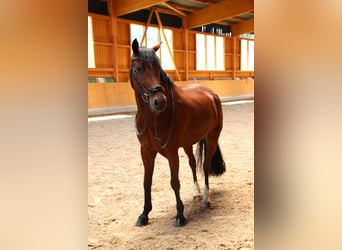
(158, 102)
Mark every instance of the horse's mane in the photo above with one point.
(165, 78)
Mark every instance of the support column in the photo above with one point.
(113, 33)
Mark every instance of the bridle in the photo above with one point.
(145, 95)
(144, 92)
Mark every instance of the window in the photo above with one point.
(209, 52)
(137, 31)
(219, 53)
(91, 57)
(247, 55)
(153, 35)
(200, 52)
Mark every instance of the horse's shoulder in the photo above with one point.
(196, 89)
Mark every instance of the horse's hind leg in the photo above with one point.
(211, 145)
(192, 163)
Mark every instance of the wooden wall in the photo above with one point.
(121, 93)
(104, 56)
(109, 50)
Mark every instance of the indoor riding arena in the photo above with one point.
(205, 42)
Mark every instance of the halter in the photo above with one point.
(145, 94)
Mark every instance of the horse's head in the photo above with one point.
(145, 76)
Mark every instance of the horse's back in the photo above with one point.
(202, 111)
(201, 96)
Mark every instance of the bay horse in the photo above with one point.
(169, 117)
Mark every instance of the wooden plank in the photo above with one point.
(219, 11)
(122, 7)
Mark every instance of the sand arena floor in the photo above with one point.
(115, 190)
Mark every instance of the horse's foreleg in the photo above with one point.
(174, 167)
(192, 163)
(148, 158)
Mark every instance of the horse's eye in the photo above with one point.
(139, 69)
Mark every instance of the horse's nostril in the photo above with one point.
(156, 102)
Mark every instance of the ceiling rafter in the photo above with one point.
(122, 7)
(172, 7)
(182, 7)
(214, 13)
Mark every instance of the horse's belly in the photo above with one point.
(196, 126)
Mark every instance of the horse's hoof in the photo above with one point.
(205, 205)
(180, 222)
(142, 221)
(197, 197)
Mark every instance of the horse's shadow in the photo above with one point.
(193, 211)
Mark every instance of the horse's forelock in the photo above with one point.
(148, 55)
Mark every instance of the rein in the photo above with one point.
(170, 130)
(145, 94)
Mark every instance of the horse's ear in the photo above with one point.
(135, 46)
(156, 47)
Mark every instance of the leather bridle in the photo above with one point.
(145, 95)
(144, 92)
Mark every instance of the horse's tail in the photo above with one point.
(218, 166)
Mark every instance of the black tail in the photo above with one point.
(218, 166)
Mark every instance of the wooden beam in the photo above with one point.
(243, 27)
(221, 10)
(122, 7)
(114, 34)
(147, 24)
(186, 39)
(167, 43)
(182, 7)
(165, 11)
(170, 6)
(234, 56)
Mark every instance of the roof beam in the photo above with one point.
(221, 10)
(181, 7)
(122, 7)
(243, 27)
(170, 6)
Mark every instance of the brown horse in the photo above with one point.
(170, 117)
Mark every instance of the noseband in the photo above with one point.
(144, 92)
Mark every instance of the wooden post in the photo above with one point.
(167, 43)
(186, 38)
(234, 54)
(113, 33)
